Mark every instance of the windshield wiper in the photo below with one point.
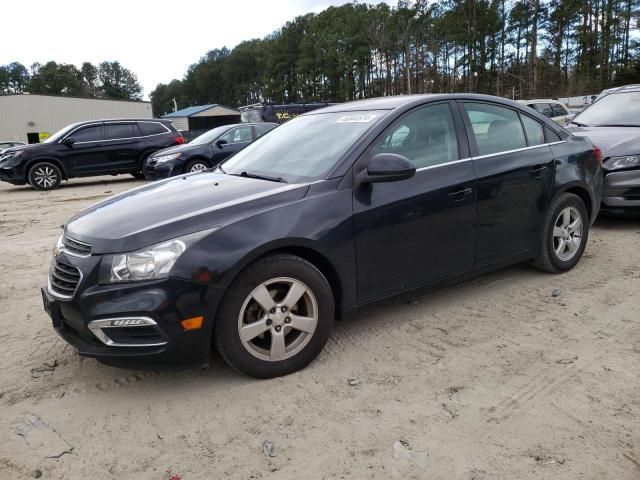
(578, 123)
(259, 176)
(220, 168)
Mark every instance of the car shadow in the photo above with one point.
(79, 183)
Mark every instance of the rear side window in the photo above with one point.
(426, 136)
(558, 110)
(116, 131)
(152, 128)
(496, 129)
(262, 129)
(534, 131)
(87, 134)
(544, 109)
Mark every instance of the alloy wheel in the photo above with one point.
(278, 319)
(567, 233)
(45, 177)
(198, 167)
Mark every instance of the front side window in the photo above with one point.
(426, 136)
(262, 129)
(543, 108)
(238, 135)
(116, 131)
(533, 128)
(88, 134)
(496, 129)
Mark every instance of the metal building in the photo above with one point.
(32, 118)
(203, 117)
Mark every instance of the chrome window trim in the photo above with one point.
(480, 157)
(96, 327)
(168, 130)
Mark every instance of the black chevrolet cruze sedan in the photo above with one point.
(87, 149)
(333, 210)
(205, 151)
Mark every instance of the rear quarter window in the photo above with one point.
(152, 128)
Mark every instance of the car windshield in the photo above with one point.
(60, 133)
(209, 136)
(304, 148)
(615, 109)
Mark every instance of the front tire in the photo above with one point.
(44, 176)
(565, 234)
(196, 166)
(275, 318)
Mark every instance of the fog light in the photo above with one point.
(192, 323)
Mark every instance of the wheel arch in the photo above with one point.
(582, 192)
(201, 157)
(55, 161)
(304, 250)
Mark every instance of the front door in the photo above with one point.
(514, 165)
(87, 154)
(413, 232)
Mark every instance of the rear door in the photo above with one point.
(515, 166)
(87, 155)
(415, 231)
(125, 145)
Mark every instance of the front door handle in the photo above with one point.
(460, 193)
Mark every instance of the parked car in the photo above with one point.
(553, 109)
(205, 151)
(613, 123)
(333, 210)
(9, 144)
(85, 149)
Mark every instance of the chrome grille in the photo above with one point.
(74, 247)
(63, 279)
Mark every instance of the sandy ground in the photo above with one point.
(494, 378)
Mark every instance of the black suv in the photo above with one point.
(205, 151)
(98, 147)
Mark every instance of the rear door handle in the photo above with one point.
(536, 172)
(460, 193)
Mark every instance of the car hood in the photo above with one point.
(613, 141)
(185, 148)
(32, 146)
(175, 207)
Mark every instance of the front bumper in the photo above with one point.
(621, 193)
(161, 341)
(12, 175)
(157, 171)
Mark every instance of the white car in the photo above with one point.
(553, 109)
(9, 143)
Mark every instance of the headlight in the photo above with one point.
(166, 158)
(147, 264)
(10, 159)
(57, 248)
(618, 163)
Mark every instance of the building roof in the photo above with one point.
(191, 111)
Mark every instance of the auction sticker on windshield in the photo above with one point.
(357, 118)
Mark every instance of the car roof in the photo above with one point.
(408, 101)
(98, 120)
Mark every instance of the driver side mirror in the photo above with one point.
(69, 141)
(388, 167)
(221, 142)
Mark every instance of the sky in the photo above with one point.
(156, 39)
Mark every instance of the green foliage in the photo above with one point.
(108, 80)
(527, 47)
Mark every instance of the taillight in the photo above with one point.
(598, 154)
(180, 140)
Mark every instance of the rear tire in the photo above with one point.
(564, 235)
(196, 165)
(44, 176)
(288, 306)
